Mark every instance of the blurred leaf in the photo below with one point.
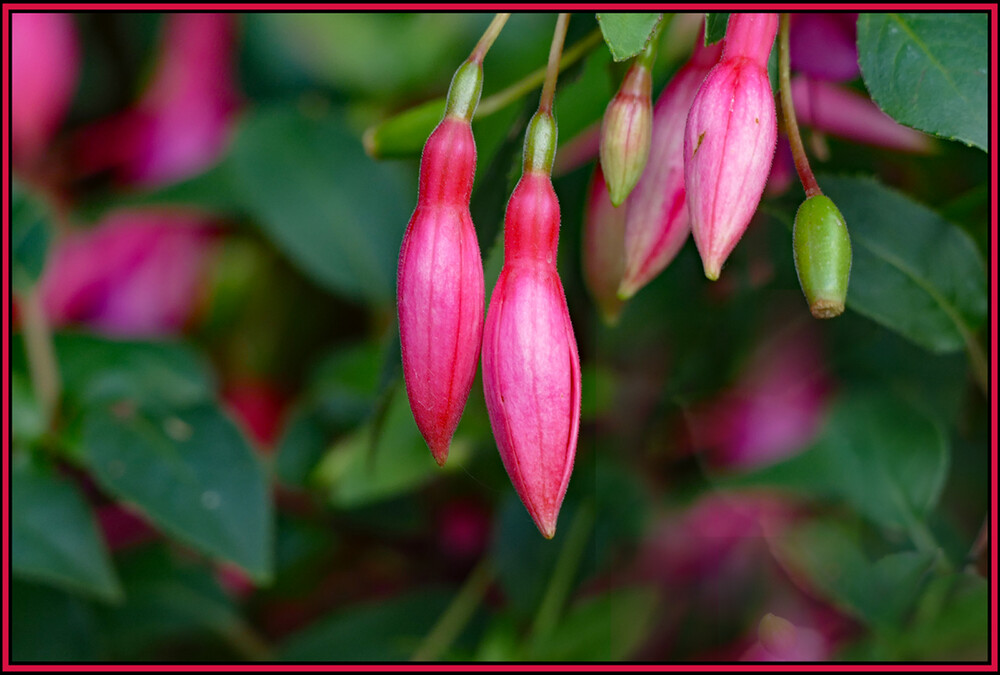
(877, 452)
(27, 423)
(354, 473)
(929, 71)
(336, 213)
(627, 34)
(165, 599)
(382, 630)
(608, 627)
(715, 26)
(830, 559)
(191, 472)
(48, 625)
(404, 135)
(913, 272)
(29, 236)
(54, 537)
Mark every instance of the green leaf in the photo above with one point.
(627, 34)
(388, 630)
(191, 472)
(715, 26)
(878, 592)
(27, 423)
(29, 237)
(878, 453)
(913, 272)
(929, 71)
(608, 627)
(405, 134)
(334, 211)
(54, 537)
(48, 625)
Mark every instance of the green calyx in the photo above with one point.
(822, 248)
(540, 143)
(463, 94)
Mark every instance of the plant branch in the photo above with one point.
(788, 113)
(457, 616)
(552, 70)
(486, 41)
(41, 354)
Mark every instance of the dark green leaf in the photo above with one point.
(191, 472)
(627, 34)
(929, 71)
(389, 630)
(715, 26)
(333, 210)
(29, 236)
(877, 592)
(48, 625)
(608, 627)
(913, 272)
(54, 537)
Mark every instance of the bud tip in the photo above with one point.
(826, 309)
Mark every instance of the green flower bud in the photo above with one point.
(822, 255)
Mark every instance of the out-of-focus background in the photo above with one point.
(213, 456)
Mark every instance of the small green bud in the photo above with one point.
(822, 249)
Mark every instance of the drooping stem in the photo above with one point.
(552, 70)
(647, 57)
(457, 615)
(788, 112)
(41, 354)
(486, 41)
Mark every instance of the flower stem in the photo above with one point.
(788, 112)
(41, 354)
(552, 70)
(486, 41)
(455, 618)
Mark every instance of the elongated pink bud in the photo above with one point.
(657, 222)
(440, 278)
(840, 111)
(531, 368)
(729, 140)
(603, 247)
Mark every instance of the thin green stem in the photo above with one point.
(489, 37)
(530, 82)
(552, 69)
(457, 616)
(788, 112)
(647, 57)
(563, 575)
(41, 354)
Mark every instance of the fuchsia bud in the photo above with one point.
(45, 58)
(729, 140)
(657, 222)
(603, 247)
(843, 112)
(824, 45)
(531, 368)
(440, 278)
(627, 127)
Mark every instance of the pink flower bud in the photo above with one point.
(531, 368)
(824, 45)
(45, 60)
(840, 111)
(440, 278)
(657, 222)
(625, 132)
(136, 274)
(729, 140)
(181, 125)
(603, 247)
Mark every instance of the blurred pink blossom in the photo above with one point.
(824, 45)
(181, 124)
(123, 528)
(259, 406)
(138, 273)
(45, 61)
(463, 529)
(775, 408)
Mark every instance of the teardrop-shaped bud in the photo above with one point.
(626, 131)
(822, 255)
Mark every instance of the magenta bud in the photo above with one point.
(657, 222)
(531, 368)
(440, 284)
(603, 248)
(729, 140)
(626, 131)
(837, 110)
